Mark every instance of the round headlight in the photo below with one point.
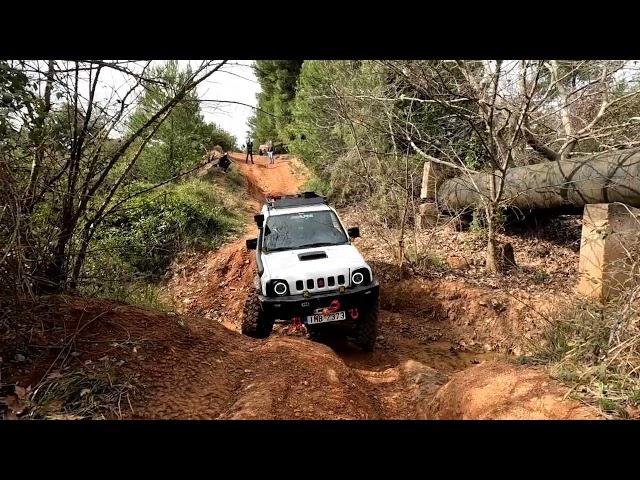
(280, 288)
(357, 278)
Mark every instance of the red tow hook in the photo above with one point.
(297, 324)
(354, 313)
(332, 308)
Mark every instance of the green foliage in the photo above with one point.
(609, 406)
(132, 289)
(345, 136)
(320, 133)
(330, 134)
(184, 137)
(137, 244)
(425, 261)
(540, 276)
(232, 184)
(315, 184)
(16, 93)
(69, 155)
(478, 224)
(154, 228)
(278, 79)
(474, 157)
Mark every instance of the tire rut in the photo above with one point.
(287, 376)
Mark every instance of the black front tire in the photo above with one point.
(367, 328)
(315, 333)
(255, 322)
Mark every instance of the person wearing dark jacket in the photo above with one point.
(224, 162)
(249, 151)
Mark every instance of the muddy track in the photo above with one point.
(226, 375)
(388, 380)
(197, 365)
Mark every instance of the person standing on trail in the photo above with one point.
(270, 152)
(249, 151)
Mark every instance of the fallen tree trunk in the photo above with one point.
(603, 178)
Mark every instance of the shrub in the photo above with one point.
(316, 184)
(596, 350)
(425, 261)
(540, 276)
(140, 241)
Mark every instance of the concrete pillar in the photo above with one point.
(433, 174)
(427, 215)
(428, 190)
(610, 240)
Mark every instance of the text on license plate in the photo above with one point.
(332, 317)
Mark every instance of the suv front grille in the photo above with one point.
(319, 283)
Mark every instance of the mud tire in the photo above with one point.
(315, 334)
(255, 322)
(367, 328)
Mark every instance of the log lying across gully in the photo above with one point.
(603, 178)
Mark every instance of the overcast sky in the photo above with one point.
(228, 85)
(234, 82)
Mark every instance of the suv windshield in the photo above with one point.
(303, 230)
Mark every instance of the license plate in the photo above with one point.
(332, 317)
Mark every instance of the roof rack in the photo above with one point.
(301, 199)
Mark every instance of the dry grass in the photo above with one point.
(82, 394)
(424, 261)
(73, 359)
(595, 349)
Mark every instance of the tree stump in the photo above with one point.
(507, 258)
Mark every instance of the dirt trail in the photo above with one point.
(197, 284)
(225, 375)
(262, 178)
(197, 365)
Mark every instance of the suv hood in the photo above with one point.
(287, 265)
(336, 255)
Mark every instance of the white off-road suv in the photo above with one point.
(308, 272)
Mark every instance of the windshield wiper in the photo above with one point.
(278, 249)
(320, 244)
(307, 245)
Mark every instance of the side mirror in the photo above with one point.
(353, 232)
(252, 243)
(259, 219)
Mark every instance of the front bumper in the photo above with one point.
(287, 307)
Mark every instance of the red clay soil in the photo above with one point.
(195, 365)
(216, 284)
(452, 295)
(472, 317)
(499, 391)
(263, 179)
(411, 362)
(185, 367)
